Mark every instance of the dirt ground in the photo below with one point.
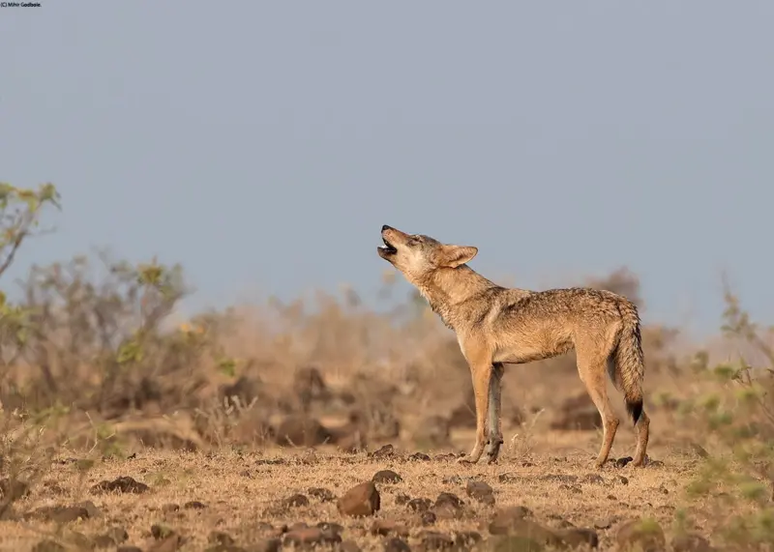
(194, 501)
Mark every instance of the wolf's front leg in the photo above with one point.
(481, 374)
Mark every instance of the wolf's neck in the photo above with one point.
(446, 289)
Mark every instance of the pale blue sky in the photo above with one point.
(264, 144)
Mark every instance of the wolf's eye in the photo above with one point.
(413, 240)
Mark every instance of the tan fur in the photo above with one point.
(496, 326)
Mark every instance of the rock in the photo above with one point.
(389, 527)
(480, 492)
(123, 484)
(419, 457)
(621, 462)
(321, 494)
(467, 539)
(296, 501)
(194, 505)
(448, 499)
(386, 476)
(387, 451)
(505, 518)
(593, 479)
(331, 527)
(170, 508)
(433, 540)
(622, 480)
(428, 518)
(645, 535)
(691, 542)
(448, 506)
(310, 537)
(419, 504)
(361, 500)
(300, 431)
(396, 544)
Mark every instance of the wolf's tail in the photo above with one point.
(628, 368)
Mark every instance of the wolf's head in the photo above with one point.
(416, 255)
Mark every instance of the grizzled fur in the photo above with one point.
(497, 326)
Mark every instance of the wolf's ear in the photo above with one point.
(457, 255)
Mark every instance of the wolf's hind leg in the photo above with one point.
(592, 369)
(495, 433)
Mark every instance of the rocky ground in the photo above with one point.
(386, 499)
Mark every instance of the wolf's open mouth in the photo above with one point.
(389, 248)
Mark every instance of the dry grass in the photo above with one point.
(239, 489)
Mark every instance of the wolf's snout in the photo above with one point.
(385, 227)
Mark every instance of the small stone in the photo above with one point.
(123, 484)
(433, 540)
(311, 536)
(622, 462)
(396, 544)
(622, 480)
(419, 504)
(360, 500)
(389, 527)
(507, 518)
(428, 518)
(480, 492)
(321, 494)
(194, 505)
(296, 501)
(386, 476)
(593, 479)
(419, 457)
(387, 451)
(467, 539)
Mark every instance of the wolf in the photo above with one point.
(496, 326)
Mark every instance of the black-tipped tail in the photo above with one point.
(635, 410)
